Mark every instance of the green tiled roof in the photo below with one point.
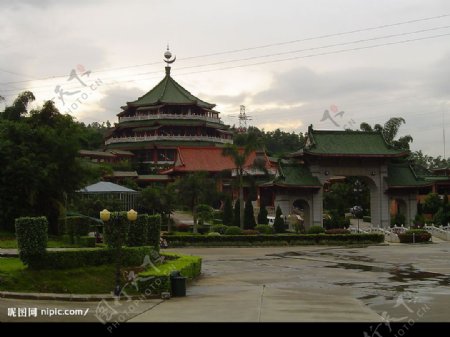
(402, 175)
(294, 175)
(168, 91)
(349, 143)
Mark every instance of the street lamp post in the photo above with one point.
(105, 216)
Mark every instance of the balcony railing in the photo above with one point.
(169, 116)
(162, 137)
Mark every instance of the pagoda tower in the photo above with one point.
(166, 118)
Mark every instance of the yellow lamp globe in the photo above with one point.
(105, 215)
(132, 215)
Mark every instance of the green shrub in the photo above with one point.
(262, 216)
(32, 239)
(250, 232)
(316, 230)
(233, 230)
(249, 216)
(228, 212)
(249, 240)
(154, 281)
(279, 226)
(213, 234)
(154, 231)
(414, 235)
(137, 232)
(337, 231)
(367, 218)
(115, 229)
(67, 259)
(218, 228)
(264, 229)
(85, 241)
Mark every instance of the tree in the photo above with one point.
(249, 216)
(204, 213)
(432, 203)
(389, 132)
(39, 160)
(19, 106)
(237, 217)
(278, 225)
(240, 157)
(228, 212)
(192, 190)
(262, 216)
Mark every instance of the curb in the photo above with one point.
(73, 297)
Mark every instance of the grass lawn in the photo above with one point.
(14, 276)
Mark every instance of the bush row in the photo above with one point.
(154, 281)
(130, 256)
(414, 235)
(246, 239)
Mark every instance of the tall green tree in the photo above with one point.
(193, 190)
(278, 225)
(240, 156)
(228, 212)
(237, 212)
(262, 215)
(39, 160)
(249, 216)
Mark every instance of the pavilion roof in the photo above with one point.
(168, 91)
(294, 174)
(349, 144)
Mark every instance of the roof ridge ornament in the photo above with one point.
(167, 59)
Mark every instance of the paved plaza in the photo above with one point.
(396, 282)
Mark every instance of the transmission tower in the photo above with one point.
(243, 118)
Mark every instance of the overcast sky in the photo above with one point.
(286, 61)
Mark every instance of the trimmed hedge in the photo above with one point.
(138, 231)
(218, 228)
(264, 229)
(154, 231)
(316, 230)
(115, 229)
(248, 240)
(420, 235)
(337, 231)
(233, 230)
(131, 256)
(32, 239)
(250, 232)
(154, 281)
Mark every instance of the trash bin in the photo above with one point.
(178, 284)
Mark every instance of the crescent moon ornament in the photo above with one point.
(168, 55)
(171, 61)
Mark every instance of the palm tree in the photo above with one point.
(389, 132)
(240, 156)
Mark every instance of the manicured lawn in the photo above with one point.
(14, 276)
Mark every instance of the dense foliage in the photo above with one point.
(32, 238)
(38, 156)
